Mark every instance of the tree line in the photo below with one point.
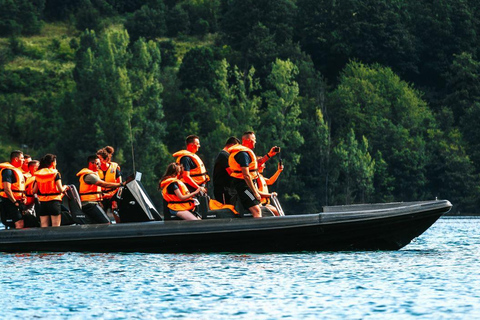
(370, 101)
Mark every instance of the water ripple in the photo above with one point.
(435, 277)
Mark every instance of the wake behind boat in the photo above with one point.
(388, 226)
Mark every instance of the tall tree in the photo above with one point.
(355, 170)
(280, 121)
(392, 116)
(102, 102)
(149, 154)
(257, 29)
(148, 22)
(334, 32)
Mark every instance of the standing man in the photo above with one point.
(194, 172)
(91, 190)
(222, 182)
(244, 171)
(12, 191)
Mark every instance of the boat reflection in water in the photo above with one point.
(389, 226)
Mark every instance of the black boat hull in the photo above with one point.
(385, 228)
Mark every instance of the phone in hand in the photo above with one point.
(276, 149)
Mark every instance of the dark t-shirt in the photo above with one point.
(187, 163)
(243, 159)
(8, 176)
(220, 174)
(172, 187)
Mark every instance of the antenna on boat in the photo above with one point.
(131, 143)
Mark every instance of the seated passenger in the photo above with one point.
(180, 202)
(91, 190)
(263, 187)
(109, 171)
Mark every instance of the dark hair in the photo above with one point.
(247, 133)
(14, 154)
(191, 139)
(26, 156)
(33, 162)
(91, 158)
(47, 160)
(173, 169)
(109, 150)
(232, 141)
(103, 153)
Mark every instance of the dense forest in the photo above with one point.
(370, 100)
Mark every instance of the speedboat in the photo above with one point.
(386, 226)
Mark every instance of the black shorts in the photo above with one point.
(95, 213)
(10, 212)
(225, 195)
(107, 204)
(245, 194)
(50, 208)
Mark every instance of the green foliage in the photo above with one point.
(452, 173)
(463, 85)
(147, 22)
(257, 29)
(370, 31)
(20, 17)
(280, 120)
(254, 65)
(102, 102)
(354, 170)
(146, 125)
(169, 54)
(443, 29)
(87, 17)
(177, 21)
(392, 116)
(198, 69)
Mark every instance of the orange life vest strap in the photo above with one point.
(14, 191)
(186, 201)
(49, 194)
(199, 174)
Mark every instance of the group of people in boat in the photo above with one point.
(34, 188)
(237, 176)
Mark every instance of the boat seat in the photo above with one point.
(206, 213)
(166, 212)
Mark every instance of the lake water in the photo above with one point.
(435, 277)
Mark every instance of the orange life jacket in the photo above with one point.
(216, 205)
(262, 187)
(47, 188)
(199, 174)
(18, 188)
(88, 192)
(110, 176)
(236, 169)
(174, 202)
(29, 183)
